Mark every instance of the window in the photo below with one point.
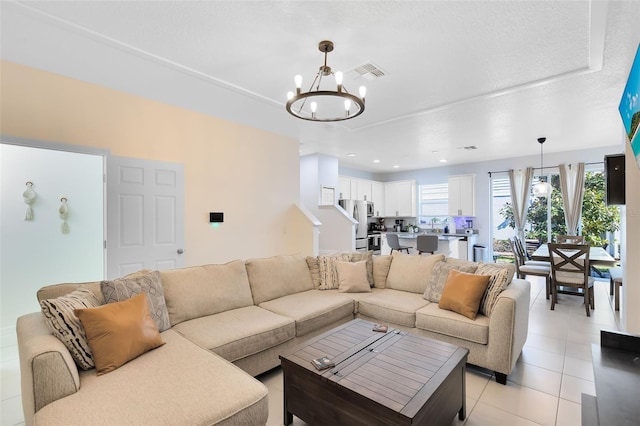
(434, 203)
(545, 216)
(501, 218)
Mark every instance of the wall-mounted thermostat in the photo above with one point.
(216, 217)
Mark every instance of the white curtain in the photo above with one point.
(572, 188)
(520, 185)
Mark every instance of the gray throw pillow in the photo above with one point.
(147, 282)
(438, 278)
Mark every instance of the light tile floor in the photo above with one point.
(544, 389)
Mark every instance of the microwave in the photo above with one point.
(370, 209)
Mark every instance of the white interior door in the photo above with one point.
(145, 215)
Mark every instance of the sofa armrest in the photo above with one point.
(47, 369)
(509, 324)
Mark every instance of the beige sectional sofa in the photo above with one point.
(229, 323)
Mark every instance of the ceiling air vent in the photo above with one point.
(468, 148)
(369, 71)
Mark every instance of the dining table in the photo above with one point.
(597, 256)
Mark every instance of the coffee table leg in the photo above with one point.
(463, 410)
(288, 417)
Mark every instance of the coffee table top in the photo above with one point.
(395, 369)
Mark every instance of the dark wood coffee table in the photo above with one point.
(392, 378)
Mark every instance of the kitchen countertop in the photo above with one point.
(441, 236)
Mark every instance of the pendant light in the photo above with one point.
(542, 188)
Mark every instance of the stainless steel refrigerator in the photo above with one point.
(358, 210)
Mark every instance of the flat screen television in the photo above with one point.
(630, 106)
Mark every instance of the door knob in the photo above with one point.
(180, 251)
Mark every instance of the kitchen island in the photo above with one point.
(459, 246)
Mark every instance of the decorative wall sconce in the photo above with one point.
(64, 214)
(29, 196)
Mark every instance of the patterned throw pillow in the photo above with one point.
(368, 256)
(328, 273)
(66, 326)
(147, 282)
(439, 276)
(314, 268)
(500, 279)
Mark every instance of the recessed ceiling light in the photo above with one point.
(442, 160)
(396, 166)
(376, 161)
(351, 154)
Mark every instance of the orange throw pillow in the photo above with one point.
(119, 332)
(463, 293)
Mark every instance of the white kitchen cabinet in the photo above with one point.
(377, 196)
(364, 189)
(345, 188)
(400, 198)
(462, 195)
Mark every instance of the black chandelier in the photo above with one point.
(325, 105)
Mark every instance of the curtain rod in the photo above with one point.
(549, 167)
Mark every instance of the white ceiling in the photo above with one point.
(493, 74)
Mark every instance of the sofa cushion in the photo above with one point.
(411, 273)
(278, 276)
(198, 291)
(119, 332)
(358, 296)
(381, 265)
(312, 309)
(147, 282)
(238, 333)
(64, 324)
(463, 293)
(439, 276)
(449, 323)
(395, 306)
(177, 384)
(367, 256)
(353, 277)
(501, 276)
(328, 271)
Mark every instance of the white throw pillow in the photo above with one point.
(352, 277)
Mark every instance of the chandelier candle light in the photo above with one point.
(325, 105)
(542, 188)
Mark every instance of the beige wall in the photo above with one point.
(250, 175)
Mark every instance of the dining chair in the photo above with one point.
(569, 239)
(570, 268)
(526, 267)
(394, 243)
(427, 244)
